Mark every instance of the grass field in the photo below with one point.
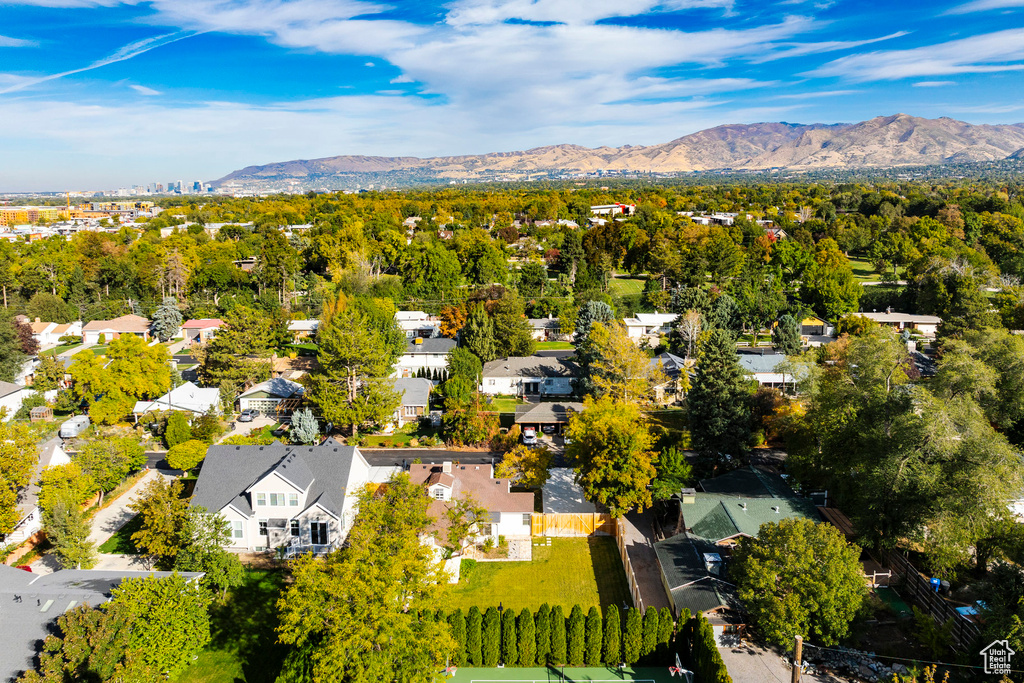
(555, 346)
(583, 571)
(121, 542)
(99, 350)
(243, 648)
(400, 437)
(58, 350)
(864, 270)
(554, 674)
(624, 286)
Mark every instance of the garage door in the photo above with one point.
(265, 406)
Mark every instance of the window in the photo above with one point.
(439, 493)
(527, 518)
(261, 499)
(318, 533)
(263, 528)
(236, 529)
(295, 528)
(277, 499)
(293, 500)
(485, 529)
(490, 382)
(410, 411)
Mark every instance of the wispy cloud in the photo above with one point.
(984, 6)
(143, 90)
(986, 53)
(933, 84)
(815, 95)
(786, 51)
(122, 54)
(6, 41)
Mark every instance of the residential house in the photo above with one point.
(775, 234)
(115, 328)
(695, 578)
(415, 404)
(554, 415)
(30, 519)
(529, 375)
(302, 498)
(675, 370)
(303, 329)
(274, 397)
(547, 329)
(926, 325)
(813, 326)
(13, 395)
(49, 334)
(417, 324)
(187, 398)
(613, 209)
(425, 355)
(764, 367)
(201, 330)
(509, 514)
(649, 326)
(32, 603)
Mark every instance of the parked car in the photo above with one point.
(247, 415)
(547, 429)
(530, 436)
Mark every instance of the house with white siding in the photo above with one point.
(49, 334)
(115, 328)
(649, 325)
(425, 355)
(30, 517)
(529, 375)
(299, 498)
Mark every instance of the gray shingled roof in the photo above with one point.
(229, 471)
(434, 345)
(557, 412)
(415, 390)
(530, 366)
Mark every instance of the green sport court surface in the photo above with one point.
(572, 675)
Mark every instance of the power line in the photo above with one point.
(904, 659)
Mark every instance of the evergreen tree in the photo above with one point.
(558, 655)
(68, 530)
(509, 644)
(650, 633)
(457, 623)
(491, 639)
(586, 351)
(543, 629)
(576, 636)
(527, 638)
(612, 650)
(786, 336)
(719, 400)
(305, 429)
(167, 319)
(633, 639)
(478, 334)
(665, 627)
(474, 638)
(592, 655)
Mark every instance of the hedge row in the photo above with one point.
(695, 643)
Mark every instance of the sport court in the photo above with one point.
(572, 675)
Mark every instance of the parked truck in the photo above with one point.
(74, 426)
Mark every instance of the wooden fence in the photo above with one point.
(572, 524)
(918, 590)
(634, 587)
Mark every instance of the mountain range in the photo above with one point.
(884, 141)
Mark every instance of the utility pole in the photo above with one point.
(798, 651)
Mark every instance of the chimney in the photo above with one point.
(446, 467)
(38, 320)
(689, 496)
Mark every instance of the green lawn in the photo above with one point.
(622, 286)
(58, 350)
(121, 542)
(864, 270)
(400, 438)
(99, 350)
(555, 346)
(503, 405)
(583, 571)
(243, 648)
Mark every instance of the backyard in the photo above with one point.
(622, 286)
(503, 404)
(555, 346)
(400, 438)
(583, 571)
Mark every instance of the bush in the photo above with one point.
(576, 636)
(177, 430)
(186, 455)
(474, 637)
(491, 638)
(509, 644)
(558, 644)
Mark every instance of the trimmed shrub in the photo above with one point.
(650, 634)
(527, 638)
(474, 637)
(707, 661)
(491, 639)
(592, 654)
(457, 622)
(576, 636)
(558, 654)
(543, 629)
(612, 650)
(632, 641)
(666, 625)
(509, 645)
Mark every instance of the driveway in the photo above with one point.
(243, 428)
(750, 663)
(640, 548)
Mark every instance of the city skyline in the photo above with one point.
(101, 93)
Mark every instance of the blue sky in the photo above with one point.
(100, 93)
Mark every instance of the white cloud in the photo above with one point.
(6, 41)
(801, 49)
(71, 3)
(820, 94)
(143, 90)
(933, 84)
(984, 6)
(985, 53)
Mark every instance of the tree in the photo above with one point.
(576, 637)
(167, 319)
(361, 593)
(529, 467)
(164, 518)
(611, 451)
(718, 401)
(543, 629)
(453, 319)
(633, 639)
(800, 578)
(49, 374)
(478, 334)
(356, 358)
(612, 649)
(11, 355)
(108, 461)
(688, 327)
(18, 457)
(66, 482)
(178, 430)
(463, 517)
(474, 637)
(491, 639)
(558, 642)
(586, 350)
(512, 333)
(829, 286)
(68, 531)
(666, 627)
(26, 342)
(651, 624)
(468, 424)
(433, 273)
(509, 644)
(594, 638)
(527, 633)
(305, 429)
(786, 336)
(131, 370)
(186, 455)
(620, 369)
(50, 308)
(457, 623)
(674, 472)
(240, 353)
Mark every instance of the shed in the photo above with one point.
(41, 414)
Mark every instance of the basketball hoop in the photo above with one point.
(449, 671)
(675, 671)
